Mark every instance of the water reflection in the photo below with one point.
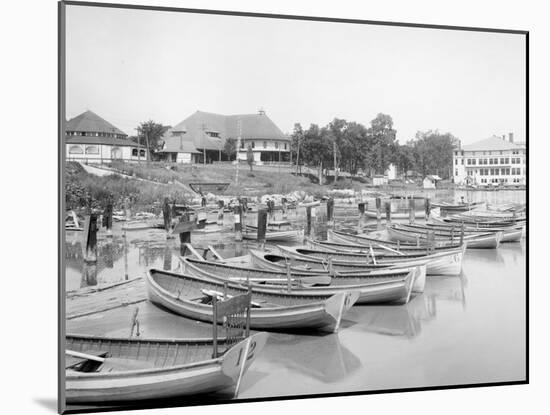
(407, 320)
(321, 357)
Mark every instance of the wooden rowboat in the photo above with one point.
(396, 289)
(277, 262)
(377, 248)
(419, 214)
(368, 241)
(438, 263)
(292, 235)
(156, 368)
(512, 233)
(460, 207)
(188, 296)
(483, 241)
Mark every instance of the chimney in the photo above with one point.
(511, 137)
(261, 111)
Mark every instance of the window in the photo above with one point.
(142, 153)
(462, 161)
(456, 162)
(490, 161)
(265, 144)
(116, 153)
(134, 152)
(75, 150)
(456, 174)
(276, 144)
(474, 162)
(469, 162)
(242, 143)
(285, 146)
(92, 150)
(253, 144)
(507, 160)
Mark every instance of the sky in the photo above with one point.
(130, 66)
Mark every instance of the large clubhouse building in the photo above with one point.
(492, 161)
(91, 139)
(204, 134)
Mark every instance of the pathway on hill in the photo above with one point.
(103, 171)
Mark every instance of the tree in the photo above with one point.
(380, 144)
(150, 133)
(433, 152)
(249, 156)
(317, 148)
(295, 140)
(230, 147)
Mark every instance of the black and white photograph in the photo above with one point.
(262, 207)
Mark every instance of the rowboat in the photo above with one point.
(438, 263)
(382, 247)
(512, 233)
(189, 297)
(419, 214)
(365, 240)
(405, 234)
(241, 274)
(278, 262)
(136, 225)
(292, 235)
(371, 291)
(152, 368)
(459, 207)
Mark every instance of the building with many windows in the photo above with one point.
(492, 161)
(91, 139)
(203, 134)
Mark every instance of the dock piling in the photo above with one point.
(330, 211)
(427, 207)
(308, 221)
(378, 210)
(90, 228)
(411, 210)
(262, 225)
(237, 215)
(388, 212)
(362, 208)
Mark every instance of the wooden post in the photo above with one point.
(388, 212)
(411, 210)
(108, 217)
(361, 207)
(262, 225)
(308, 221)
(238, 225)
(90, 228)
(127, 210)
(330, 210)
(214, 327)
(378, 210)
(220, 212)
(427, 207)
(167, 214)
(462, 234)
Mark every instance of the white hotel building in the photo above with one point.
(493, 161)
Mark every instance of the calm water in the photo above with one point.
(465, 329)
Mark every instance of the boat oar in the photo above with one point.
(110, 363)
(389, 249)
(372, 254)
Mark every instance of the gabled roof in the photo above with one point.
(110, 141)
(433, 177)
(199, 124)
(177, 143)
(91, 122)
(493, 143)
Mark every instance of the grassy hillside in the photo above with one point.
(163, 180)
